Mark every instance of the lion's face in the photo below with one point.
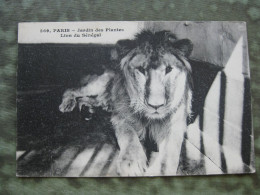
(156, 82)
(155, 72)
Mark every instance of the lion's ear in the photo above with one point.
(122, 48)
(185, 46)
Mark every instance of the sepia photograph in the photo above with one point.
(133, 99)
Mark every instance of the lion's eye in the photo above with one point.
(168, 69)
(141, 69)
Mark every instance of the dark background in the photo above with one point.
(12, 12)
(44, 72)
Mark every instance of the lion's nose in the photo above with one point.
(155, 106)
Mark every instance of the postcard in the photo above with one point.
(133, 99)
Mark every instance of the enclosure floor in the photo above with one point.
(95, 160)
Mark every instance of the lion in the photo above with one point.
(149, 93)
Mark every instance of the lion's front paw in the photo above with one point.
(132, 162)
(68, 104)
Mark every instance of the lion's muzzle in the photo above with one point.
(155, 90)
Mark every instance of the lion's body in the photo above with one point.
(150, 96)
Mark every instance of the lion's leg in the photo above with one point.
(95, 87)
(132, 158)
(167, 160)
(172, 151)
